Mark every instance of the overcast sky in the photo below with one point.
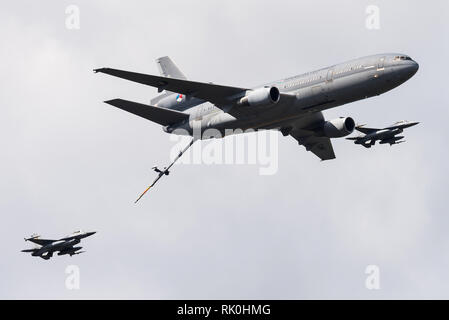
(70, 161)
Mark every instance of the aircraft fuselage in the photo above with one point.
(314, 91)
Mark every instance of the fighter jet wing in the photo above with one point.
(364, 130)
(41, 242)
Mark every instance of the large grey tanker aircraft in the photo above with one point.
(293, 105)
(388, 135)
(63, 246)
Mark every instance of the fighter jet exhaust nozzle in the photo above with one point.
(338, 128)
(260, 97)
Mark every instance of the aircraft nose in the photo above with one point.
(407, 69)
(414, 67)
(411, 68)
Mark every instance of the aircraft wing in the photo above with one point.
(320, 146)
(364, 130)
(305, 134)
(41, 242)
(217, 94)
(224, 97)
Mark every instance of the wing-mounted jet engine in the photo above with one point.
(260, 97)
(338, 128)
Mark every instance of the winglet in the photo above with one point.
(99, 70)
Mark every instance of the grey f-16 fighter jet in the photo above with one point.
(292, 105)
(63, 246)
(388, 135)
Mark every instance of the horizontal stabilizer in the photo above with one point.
(30, 250)
(161, 116)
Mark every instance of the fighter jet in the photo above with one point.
(294, 106)
(386, 135)
(66, 245)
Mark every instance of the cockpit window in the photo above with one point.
(402, 58)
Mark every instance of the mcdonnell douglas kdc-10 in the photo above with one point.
(293, 106)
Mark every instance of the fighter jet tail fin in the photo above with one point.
(161, 116)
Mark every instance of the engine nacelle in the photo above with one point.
(338, 128)
(261, 96)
